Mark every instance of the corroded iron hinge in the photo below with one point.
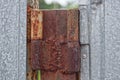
(55, 44)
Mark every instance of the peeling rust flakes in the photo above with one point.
(49, 55)
(36, 24)
(54, 56)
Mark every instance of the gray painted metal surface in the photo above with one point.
(13, 39)
(104, 41)
(112, 39)
(84, 40)
(83, 2)
(97, 41)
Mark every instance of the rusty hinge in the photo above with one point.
(55, 48)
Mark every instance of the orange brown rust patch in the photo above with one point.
(36, 24)
(59, 49)
(31, 74)
(55, 50)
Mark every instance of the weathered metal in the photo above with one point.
(28, 24)
(57, 52)
(72, 25)
(49, 24)
(35, 50)
(70, 57)
(56, 75)
(59, 49)
(61, 25)
(36, 24)
(32, 75)
(34, 34)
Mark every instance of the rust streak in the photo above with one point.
(36, 24)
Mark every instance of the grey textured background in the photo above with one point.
(13, 39)
(100, 39)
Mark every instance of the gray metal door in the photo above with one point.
(13, 39)
(100, 38)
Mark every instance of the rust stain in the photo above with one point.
(56, 49)
(49, 24)
(28, 23)
(61, 26)
(31, 74)
(35, 50)
(56, 56)
(36, 24)
(72, 25)
(71, 57)
(49, 55)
